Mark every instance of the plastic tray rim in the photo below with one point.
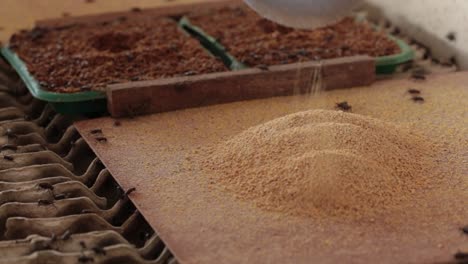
(34, 87)
(384, 64)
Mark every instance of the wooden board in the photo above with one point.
(135, 98)
(201, 224)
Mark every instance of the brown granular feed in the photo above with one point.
(88, 56)
(323, 162)
(256, 41)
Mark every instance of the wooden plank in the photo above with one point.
(202, 224)
(175, 10)
(155, 96)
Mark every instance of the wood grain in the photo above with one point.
(202, 223)
(136, 98)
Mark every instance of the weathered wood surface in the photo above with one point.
(202, 223)
(156, 96)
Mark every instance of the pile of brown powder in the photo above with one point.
(323, 162)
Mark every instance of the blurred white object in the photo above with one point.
(430, 22)
(303, 13)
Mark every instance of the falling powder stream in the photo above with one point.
(311, 83)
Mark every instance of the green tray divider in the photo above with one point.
(384, 64)
(211, 44)
(73, 103)
(388, 64)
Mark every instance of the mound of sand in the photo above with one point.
(323, 162)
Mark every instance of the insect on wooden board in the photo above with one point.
(418, 76)
(418, 99)
(464, 230)
(96, 131)
(344, 106)
(461, 255)
(101, 139)
(414, 91)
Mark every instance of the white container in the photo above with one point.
(303, 13)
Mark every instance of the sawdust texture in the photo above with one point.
(324, 162)
(255, 41)
(90, 56)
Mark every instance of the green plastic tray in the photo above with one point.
(94, 101)
(384, 64)
(211, 44)
(71, 104)
(388, 64)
